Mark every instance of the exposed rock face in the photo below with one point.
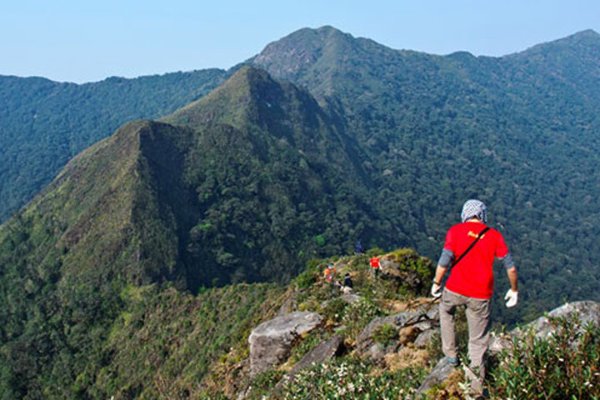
(587, 311)
(271, 341)
(366, 345)
(394, 266)
(411, 325)
(442, 370)
(350, 298)
(323, 352)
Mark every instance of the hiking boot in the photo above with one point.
(452, 361)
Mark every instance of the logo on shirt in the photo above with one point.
(475, 235)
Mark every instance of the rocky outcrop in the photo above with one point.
(416, 326)
(588, 312)
(440, 372)
(323, 352)
(271, 341)
(408, 268)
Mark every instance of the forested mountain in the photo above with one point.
(245, 184)
(520, 132)
(332, 139)
(43, 124)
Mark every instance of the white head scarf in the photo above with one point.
(474, 208)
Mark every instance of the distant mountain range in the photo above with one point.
(43, 124)
(520, 132)
(320, 140)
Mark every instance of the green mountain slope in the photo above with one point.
(43, 124)
(519, 132)
(67, 257)
(245, 184)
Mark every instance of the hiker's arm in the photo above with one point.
(513, 278)
(445, 260)
(440, 271)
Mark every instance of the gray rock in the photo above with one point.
(271, 341)
(393, 266)
(376, 352)
(587, 311)
(350, 298)
(426, 313)
(420, 319)
(323, 352)
(364, 341)
(439, 374)
(424, 339)
(498, 343)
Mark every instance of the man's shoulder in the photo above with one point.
(470, 227)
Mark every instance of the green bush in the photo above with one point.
(335, 309)
(351, 379)
(358, 315)
(263, 383)
(306, 279)
(385, 334)
(564, 366)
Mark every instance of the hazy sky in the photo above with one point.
(89, 40)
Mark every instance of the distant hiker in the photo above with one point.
(358, 248)
(347, 285)
(469, 251)
(375, 266)
(329, 274)
(348, 281)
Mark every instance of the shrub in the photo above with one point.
(335, 309)
(263, 383)
(358, 315)
(352, 379)
(385, 334)
(306, 279)
(564, 366)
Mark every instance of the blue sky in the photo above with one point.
(89, 40)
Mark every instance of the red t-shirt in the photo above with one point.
(375, 262)
(474, 275)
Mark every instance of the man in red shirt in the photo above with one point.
(375, 265)
(469, 252)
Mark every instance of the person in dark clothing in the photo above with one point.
(347, 284)
(348, 281)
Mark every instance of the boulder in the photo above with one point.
(324, 351)
(406, 267)
(410, 324)
(271, 341)
(442, 370)
(350, 298)
(588, 312)
(426, 315)
(424, 339)
(364, 341)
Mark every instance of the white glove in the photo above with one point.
(436, 290)
(511, 298)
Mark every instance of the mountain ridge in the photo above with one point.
(252, 181)
(480, 127)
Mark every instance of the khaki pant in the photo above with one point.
(478, 318)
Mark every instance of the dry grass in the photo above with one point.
(407, 357)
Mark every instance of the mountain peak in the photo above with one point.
(290, 55)
(584, 42)
(235, 102)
